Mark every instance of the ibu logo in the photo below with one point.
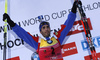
(96, 42)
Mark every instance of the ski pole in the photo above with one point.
(5, 33)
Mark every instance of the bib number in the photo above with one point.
(52, 50)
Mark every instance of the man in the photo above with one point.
(48, 46)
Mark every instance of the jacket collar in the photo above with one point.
(51, 35)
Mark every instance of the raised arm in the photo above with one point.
(65, 28)
(29, 39)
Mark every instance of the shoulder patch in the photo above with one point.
(56, 33)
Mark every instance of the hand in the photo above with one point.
(9, 21)
(6, 16)
(79, 2)
(74, 8)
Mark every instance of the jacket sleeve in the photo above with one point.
(29, 39)
(65, 28)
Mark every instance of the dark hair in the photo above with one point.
(43, 23)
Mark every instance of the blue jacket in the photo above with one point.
(33, 41)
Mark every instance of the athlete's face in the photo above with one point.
(45, 31)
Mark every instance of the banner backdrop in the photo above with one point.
(25, 13)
